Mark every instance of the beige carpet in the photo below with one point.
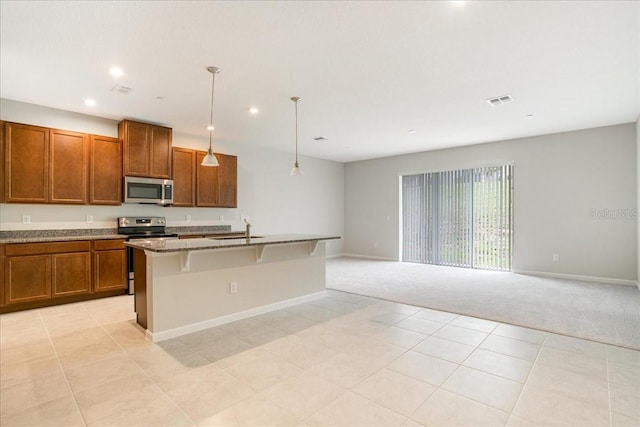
(594, 311)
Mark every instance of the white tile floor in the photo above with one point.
(342, 360)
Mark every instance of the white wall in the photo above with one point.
(558, 179)
(638, 195)
(276, 202)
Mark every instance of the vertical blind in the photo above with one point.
(461, 218)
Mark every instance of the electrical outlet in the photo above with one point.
(221, 218)
(89, 219)
(556, 257)
(233, 287)
(26, 219)
(187, 218)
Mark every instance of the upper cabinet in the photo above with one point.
(45, 165)
(184, 177)
(68, 162)
(196, 185)
(26, 151)
(227, 180)
(105, 171)
(146, 149)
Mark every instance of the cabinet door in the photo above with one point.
(26, 163)
(110, 270)
(105, 171)
(71, 274)
(2, 175)
(160, 152)
(27, 278)
(136, 139)
(68, 155)
(227, 180)
(206, 183)
(184, 177)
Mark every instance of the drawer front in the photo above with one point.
(106, 245)
(13, 249)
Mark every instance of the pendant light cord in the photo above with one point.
(296, 133)
(213, 84)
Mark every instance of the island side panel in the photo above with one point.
(140, 286)
(181, 299)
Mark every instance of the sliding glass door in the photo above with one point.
(461, 218)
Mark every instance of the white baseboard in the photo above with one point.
(607, 280)
(380, 258)
(195, 327)
(334, 256)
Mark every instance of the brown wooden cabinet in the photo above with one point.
(196, 185)
(109, 265)
(227, 180)
(28, 279)
(146, 149)
(41, 274)
(42, 271)
(105, 170)
(68, 161)
(44, 165)
(206, 182)
(26, 163)
(70, 274)
(2, 169)
(184, 177)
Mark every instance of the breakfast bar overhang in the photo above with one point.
(184, 286)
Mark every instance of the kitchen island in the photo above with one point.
(183, 286)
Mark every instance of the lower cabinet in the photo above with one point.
(28, 278)
(71, 274)
(40, 274)
(109, 265)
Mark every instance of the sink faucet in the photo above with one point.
(247, 231)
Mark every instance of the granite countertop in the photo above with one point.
(176, 245)
(38, 236)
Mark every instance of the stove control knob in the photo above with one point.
(161, 221)
(125, 221)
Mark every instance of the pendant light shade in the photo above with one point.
(210, 159)
(296, 167)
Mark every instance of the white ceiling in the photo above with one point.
(367, 72)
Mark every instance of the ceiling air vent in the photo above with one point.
(123, 90)
(320, 138)
(500, 100)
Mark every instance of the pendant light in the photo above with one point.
(296, 167)
(210, 158)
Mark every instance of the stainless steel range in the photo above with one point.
(142, 228)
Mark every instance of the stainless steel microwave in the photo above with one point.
(148, 190)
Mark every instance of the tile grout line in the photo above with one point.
(606, 359)
(64, 373)
(524, 384)
(141, 369)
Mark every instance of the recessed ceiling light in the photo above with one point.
(90, 102)
(116, 72)
(210, 127)
(254, 110)
(529, 115)
(412, 131)
(320, 138)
